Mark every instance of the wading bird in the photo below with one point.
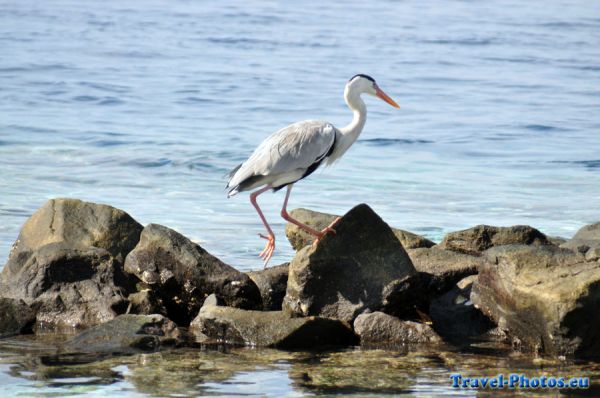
(296, 151)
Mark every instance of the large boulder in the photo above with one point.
(587, 239)
(69, 288)
(78, 225)
(272, 283)
(482, 237)
(183, 274)
(381, 329)
(300, 238)
(15, 317)
(267, 328)
(347, 271)
(126, 332)
(546, 298)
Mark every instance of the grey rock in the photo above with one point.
(482, 237)
(299, 238)
(272, 283)
(347, 272)
(15, 317)
(268, 328)
(586, 238)
(146, 302)
(182, 274)
(125, 332)
(381, 329)
(546, 298)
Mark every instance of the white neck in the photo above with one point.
(348, 134)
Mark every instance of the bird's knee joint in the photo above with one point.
(285, 215)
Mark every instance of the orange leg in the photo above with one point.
(314, 232)
(267, 252)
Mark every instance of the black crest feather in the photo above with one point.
(364, 76)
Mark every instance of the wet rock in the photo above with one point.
(69, 288)
(455, 317)
(268, 328)
(79, 225)
(482, 237)
(299, 238)
(144, 332)
(15, 317)
(346, 273)
(585, 239)
(378, 328)
(547, 298)
(182, 274)
(272, 283)
(146, 302)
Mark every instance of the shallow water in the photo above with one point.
(146, 105)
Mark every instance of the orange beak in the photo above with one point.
(379, 92)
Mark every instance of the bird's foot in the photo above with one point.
(267, 252)
(326, 230)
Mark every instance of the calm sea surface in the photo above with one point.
(146, 105)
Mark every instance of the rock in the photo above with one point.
(146, 302)
(585, 239)
(68, 287)
(408, 297)
(144, 332)
(482, 237)
(593, 254)
(346, 273)
(299, 238)
(272, 283)
(378, 328)
(268, 328)
(15, 317)
(447, 267)
(547, 298)
(79, 225)
(455, 317)
(182, 274)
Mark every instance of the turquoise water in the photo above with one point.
(146, 105)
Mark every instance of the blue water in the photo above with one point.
(146, 105)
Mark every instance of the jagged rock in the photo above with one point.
(299, 238)
(482, 237)
(15, 317)
(182, 274)
(547, 298)
(268, 328)
(79, 225)
(69, 288)
(272, 283)
(586, 239)
(378, 328)
(455, 317)
(347, 272)
(144, 332)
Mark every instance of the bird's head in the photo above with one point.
(366, 84)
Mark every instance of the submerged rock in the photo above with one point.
(378, 328)
(587, 239)
(547, 298)
(347, 272)
(299, 238)
(182, 274)
(15, 317)
(482, 237)
(272, 283)
(268, 328)
(144, 332)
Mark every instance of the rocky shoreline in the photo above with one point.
(92, 271)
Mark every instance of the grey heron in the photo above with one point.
(296, 151)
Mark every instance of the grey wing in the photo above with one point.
(293, 149)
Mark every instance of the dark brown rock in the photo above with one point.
(381, 329)
(586, 239)
(15, 317)
(299, 238)
(272, 283)
(268, 328)
(183, 274)
(546, 298)
(347, 272)
(482, 237)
